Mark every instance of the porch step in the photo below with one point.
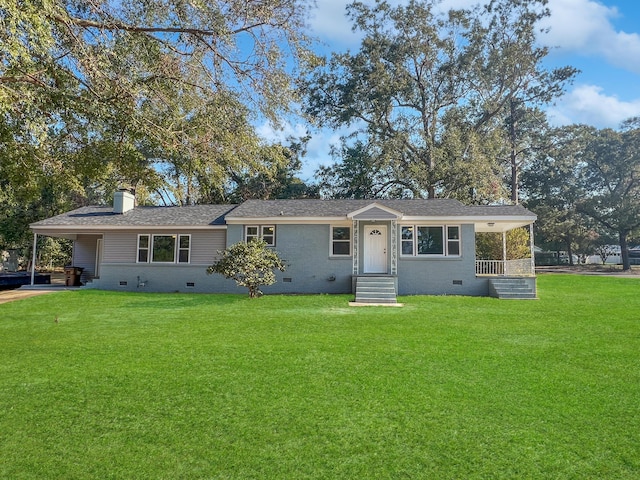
(375, 290)
(511, 288)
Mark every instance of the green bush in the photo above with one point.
(250, 264)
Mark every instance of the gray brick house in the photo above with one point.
(330, 246)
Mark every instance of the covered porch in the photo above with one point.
(505, 266)
(86, 253)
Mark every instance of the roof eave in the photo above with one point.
(41, 229)
(284, 219)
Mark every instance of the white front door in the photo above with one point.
(375, 249)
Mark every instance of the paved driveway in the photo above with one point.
(19, 294)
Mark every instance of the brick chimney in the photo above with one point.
(123, 200)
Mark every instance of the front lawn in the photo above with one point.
(289, 387)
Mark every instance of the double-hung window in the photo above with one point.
(265, 232)
(162, 248)
(453, 240)
(418, 240)
(340, 241)
(184, 248)
(143, 248)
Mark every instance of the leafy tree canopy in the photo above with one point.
(588, 181)
(611, 164)
(429, 90)
(155, 95)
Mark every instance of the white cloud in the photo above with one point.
(589, 105)
(585, 27)
(330, 23)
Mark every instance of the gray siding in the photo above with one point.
(310, 269)
(84, 255)
(235, 234)
(205, 245)
(119, 270)
(121, 247)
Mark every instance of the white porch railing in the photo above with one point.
(521, 267)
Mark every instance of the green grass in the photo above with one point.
(219, 386)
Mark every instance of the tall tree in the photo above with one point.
(510, 79)
(612, 172)
(554, 184)
(119, 54)
(527, 134)
(93, 94)
(68, 64)
(212, 141)
(588, 173)
(419, 73)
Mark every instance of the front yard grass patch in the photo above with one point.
(127, 385)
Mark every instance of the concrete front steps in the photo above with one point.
(511, 288)
(376, 290)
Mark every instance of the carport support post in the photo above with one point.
(33, 259)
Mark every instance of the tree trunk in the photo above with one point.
(513, 154)
(514, 179)
(624, 251)
(570, 252)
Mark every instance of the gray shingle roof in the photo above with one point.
(196, 215)
(340, 208)
(204, 215)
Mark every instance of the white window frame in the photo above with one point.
(264, 235)
(446, 240)
(248, 237)
(147, 248)
(260, 233)
(332, 241)
(442, 253)
(407, 241)
(182, 249)
(449, 241)
(153, 242)
(176, 251)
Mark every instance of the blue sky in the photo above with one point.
(599, 37)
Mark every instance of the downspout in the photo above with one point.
(33, 259)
